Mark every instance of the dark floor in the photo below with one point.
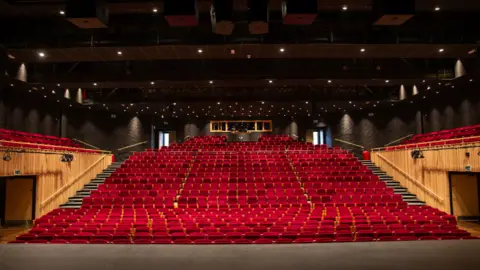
(453, 254)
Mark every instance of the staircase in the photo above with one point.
(76, 201)
(408, 197)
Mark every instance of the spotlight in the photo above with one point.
(329, 81)
(155, 10)
(94, 84)
(152, 83)
(200, 51)
(66, 158)
(387, 81)
(270, 81)
(210, 82)
(416, 154)
(6, 156)
(282, 49)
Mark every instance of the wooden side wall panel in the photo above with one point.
(56, 180)
(428, 177)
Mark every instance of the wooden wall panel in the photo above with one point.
(56, 180)
(465, 195)
(428, 177)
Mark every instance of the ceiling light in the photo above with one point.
(200, 51)
(210, 82)
(440, 50)
(119, 52)
(306, 102)
(152, 83)
(218, 103)
(263, 102)
(453, 86)
(270, 81)
(94, 84)
(11, 84)
(58, 84)
(362, 50)
(437, 92)
(41, 54)
(155, 10)
(344, 7)
(471, 80)
(428, 88)
(282, 49)
(53, 91)
(45, 96)
(62, 12)
(329, 81)
(387, 81)
(350, 102)
(437, 8)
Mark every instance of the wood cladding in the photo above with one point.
(56, 180)
(428, 177)
(18, 201)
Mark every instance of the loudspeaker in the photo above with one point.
(299, 11)
(393, 12)
(87, 13)
(181, 12)
(221, 14)
(258, 16)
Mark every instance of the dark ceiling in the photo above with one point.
(341, 57)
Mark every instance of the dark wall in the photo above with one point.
(376, 130)
(100, 129)
(453, 109)
(30, 113)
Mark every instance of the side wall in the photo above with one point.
(56, 180)
(428, 177)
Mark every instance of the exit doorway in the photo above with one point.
(464, 195)
(17, 200)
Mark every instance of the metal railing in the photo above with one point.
(400, 139)
(84, 143)
(350, 143)
(130, 146)
(434, 145)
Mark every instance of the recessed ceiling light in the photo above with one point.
(471, 80)
(45, 96)
(437, 92)
(329, 81)
(119, 52)
(453, 86)
(344, 7)
(350, 102)
(94, 84)
(53, 91)
(306, 102)
(11, 84)
(58, 84)
(362, 50)
(437, 8)
(218, 103)
(210, 82)
(152, 83)
(270, 81)
(428, 88)
(155, 10)
(41, 54)
(424, 97)
(200, 51)
(440, 50)
(282, 49)
(62, 12)
(423, 80)
(387, 81)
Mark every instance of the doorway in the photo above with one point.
(17, 200)
(464, 195)
(320, 136)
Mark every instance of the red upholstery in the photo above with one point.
(275, 191)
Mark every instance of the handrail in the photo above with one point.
(429, 191)
(428, 144)
(400, 139)
(66, 148)
(356, 145)
(132, 145)
(87, 144)
(71, 182)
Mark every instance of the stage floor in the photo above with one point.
(453, 254)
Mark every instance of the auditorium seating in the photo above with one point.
(468, 134)
(19, 139)
(275, 191)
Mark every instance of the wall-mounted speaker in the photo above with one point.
(88, 14)
(221, 14)
(181, 13)
(393, 12)
(299, 11)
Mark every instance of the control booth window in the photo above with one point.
(241, 126)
